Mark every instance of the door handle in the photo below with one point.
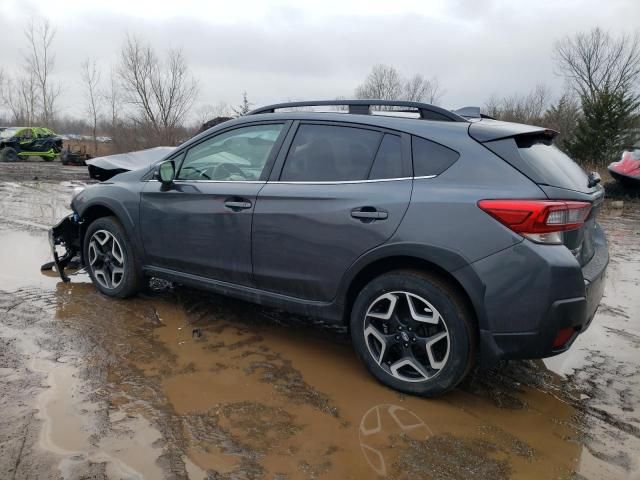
(369, 214)
(237, 204)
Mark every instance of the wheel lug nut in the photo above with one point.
(397, 337)
(406, 345)
(400, 328)
(409, 328)
(413, 339)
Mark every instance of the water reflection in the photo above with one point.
(381, 422)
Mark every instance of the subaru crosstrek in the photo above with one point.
(441, 241)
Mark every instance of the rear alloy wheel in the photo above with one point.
(109, 258)
(406, 336)
(413, 333)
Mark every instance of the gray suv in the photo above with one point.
(441, 239)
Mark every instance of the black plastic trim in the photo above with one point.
(363, 107)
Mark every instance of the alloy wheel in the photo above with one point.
(106, 259)
(406, 336)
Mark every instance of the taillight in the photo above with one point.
(541, 221)
(563, 336)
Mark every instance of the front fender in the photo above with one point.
(120, 202)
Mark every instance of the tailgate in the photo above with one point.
(531, 151)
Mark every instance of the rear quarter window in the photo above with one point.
(430, 158)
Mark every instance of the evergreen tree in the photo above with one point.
(244, 107)
(605, 127)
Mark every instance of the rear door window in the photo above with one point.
(430, 158)
(328, 153)
(388, 162)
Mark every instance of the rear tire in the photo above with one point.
(110, 259)
(64, 157)
(414, 332)
(8, 154)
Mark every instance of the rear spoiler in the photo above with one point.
(489, 130)
(471, 112)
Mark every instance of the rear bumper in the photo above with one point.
(555, 300)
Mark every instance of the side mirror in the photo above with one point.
(167, 172)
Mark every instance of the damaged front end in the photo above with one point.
(65, 240)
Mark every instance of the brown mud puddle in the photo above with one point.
(179, 384)
(249, 398)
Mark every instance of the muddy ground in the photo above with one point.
(96, 388)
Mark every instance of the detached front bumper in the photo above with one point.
(66, 235)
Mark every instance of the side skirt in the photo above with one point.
(49, 154)
(331, 312)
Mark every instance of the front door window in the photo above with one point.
(237, 155)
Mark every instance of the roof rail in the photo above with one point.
(363, 107)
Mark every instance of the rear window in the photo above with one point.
(326, 153)
(553, 166)
(430, 158)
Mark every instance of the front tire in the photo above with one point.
(8, 154)
(110, 259)
(414, 332)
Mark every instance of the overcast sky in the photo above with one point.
(279, 49)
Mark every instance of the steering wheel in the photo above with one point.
(224, 171)
(200, 172)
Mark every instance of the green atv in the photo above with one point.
(23, 142)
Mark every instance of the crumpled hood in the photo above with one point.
(131, 160)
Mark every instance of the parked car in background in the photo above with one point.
(22, 142)
(440, 241)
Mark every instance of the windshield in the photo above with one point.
(8, 132)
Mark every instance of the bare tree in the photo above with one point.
(204, 113)
(386, 83)
(595, 62)
(160, 93)
(383, 82)
(20, 96)
(421, 89)
(529, 108)
(112, 98)
(3, 85)
(40, 63)
(91, 79)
